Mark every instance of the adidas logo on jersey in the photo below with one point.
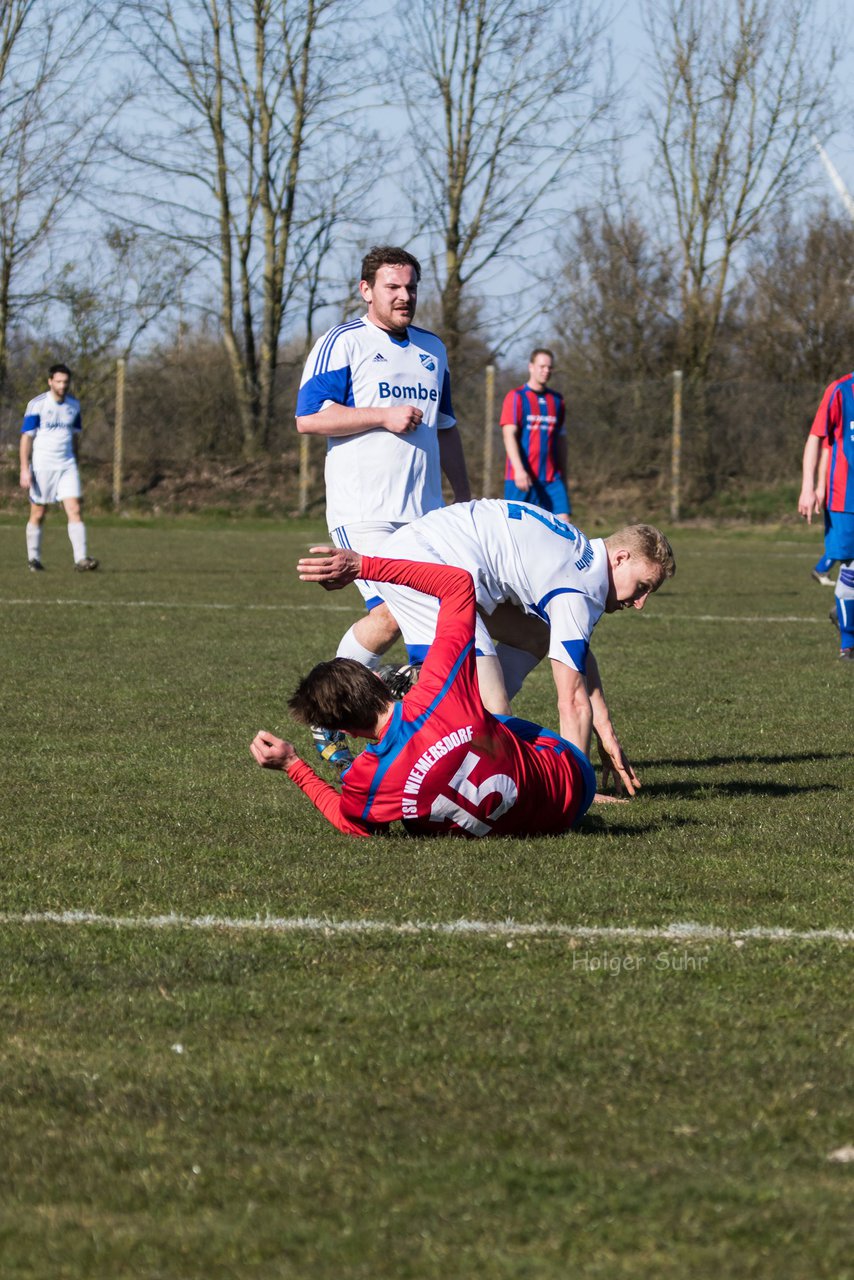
(379, 358)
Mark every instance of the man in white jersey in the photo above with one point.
(50, 437)
(520, 555)
(378, 389)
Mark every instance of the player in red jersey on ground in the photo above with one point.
(439, 762)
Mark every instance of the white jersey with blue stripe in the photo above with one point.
(53, 426)
(519, 553)
(377, 475)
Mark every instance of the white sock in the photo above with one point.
(34, 541)
(350, 648)
(77, 535)
(516, 664)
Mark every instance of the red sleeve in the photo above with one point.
(454, 626)
(326, 799)
(819, 426)
(510, 410)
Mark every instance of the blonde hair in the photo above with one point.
(646, 541)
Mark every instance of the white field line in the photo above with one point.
(348, 608)
(733, 617)
(680, 931)
(188, 604)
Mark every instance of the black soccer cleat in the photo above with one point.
(36, 566)
(399, 680)
(86, 565)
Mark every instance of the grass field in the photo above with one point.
(202, 1099)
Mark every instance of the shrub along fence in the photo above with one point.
(182, 444)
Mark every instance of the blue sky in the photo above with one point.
(630, 49)
(395, 201)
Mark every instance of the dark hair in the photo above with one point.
(59, 368)
(387, 255)
(540, 351)
(341, 694)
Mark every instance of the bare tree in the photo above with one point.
(612, 298)
(501, 101)
(740, 88)
(247, 154)
(50, 127)
(123, 287)
(796, 313)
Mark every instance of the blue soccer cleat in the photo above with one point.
(331, 746)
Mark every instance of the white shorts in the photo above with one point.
(55, 485)
(416, 613)
(366, 537)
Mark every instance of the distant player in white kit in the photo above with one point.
(520, 555)
(50, 437)
(378, 389)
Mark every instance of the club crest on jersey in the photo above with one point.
(427, 361)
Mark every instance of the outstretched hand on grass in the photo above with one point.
(615, 765)
(272, 752)
(332, 567)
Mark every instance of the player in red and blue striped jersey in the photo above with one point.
(830, 448)
(533, 424)
(439, 762)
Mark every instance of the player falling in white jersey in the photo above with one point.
(523, 557)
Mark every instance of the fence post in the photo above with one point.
(488, 430)
(676, 446)
(119, 433)
(302, 505)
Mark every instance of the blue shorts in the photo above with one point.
(839, 534)
(551, 495)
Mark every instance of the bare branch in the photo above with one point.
(50, 135)
(252, 90)
(503, 106)
(739, 91)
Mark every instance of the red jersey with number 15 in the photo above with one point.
(445, 765)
